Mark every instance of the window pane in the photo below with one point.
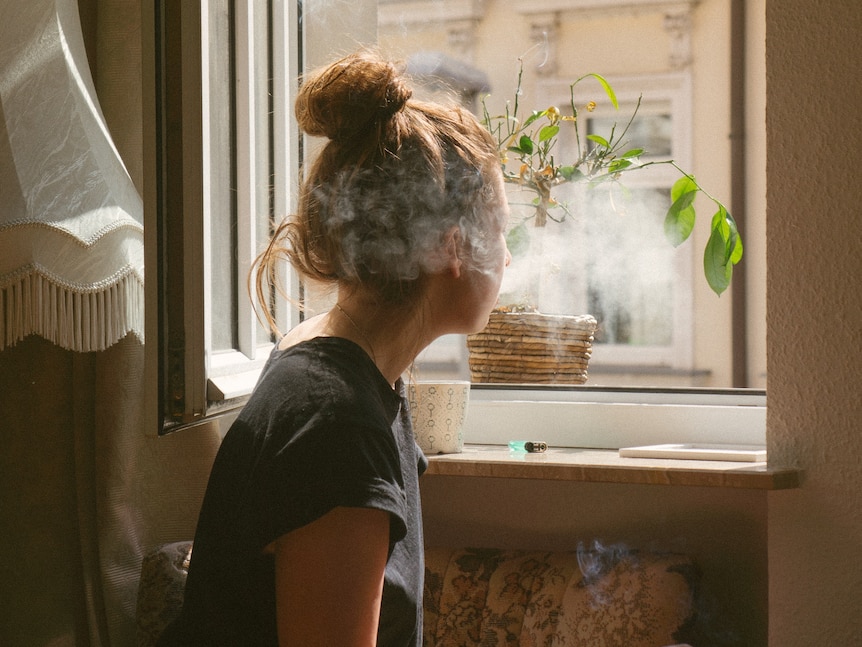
(262, 216)
(241, 161)
(222, 204)
(659, 324)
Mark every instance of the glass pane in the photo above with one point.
(263, 148)
(223, 242)
(658, 322)
(630, 272)
(239, 223)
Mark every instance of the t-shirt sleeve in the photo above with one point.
(334, 461)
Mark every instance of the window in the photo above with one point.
(658, 324)
(221, 166)
(249, 69)
(227, 157)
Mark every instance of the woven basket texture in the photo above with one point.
(532, 348)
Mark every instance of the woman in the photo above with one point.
(310, 530)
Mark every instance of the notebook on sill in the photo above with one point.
(698, 451)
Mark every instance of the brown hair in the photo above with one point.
(394, 177)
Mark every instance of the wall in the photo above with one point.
(814, 305)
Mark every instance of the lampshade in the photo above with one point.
(71, 234)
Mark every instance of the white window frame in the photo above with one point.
(610, 418)
(211, 383)
(564, 416)
(231, 375)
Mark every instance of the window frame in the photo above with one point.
(217, 384)
(186, 381)
(614, 417)
(231, 374)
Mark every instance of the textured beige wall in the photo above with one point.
(814, 319)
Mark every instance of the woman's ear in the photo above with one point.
(452, 250)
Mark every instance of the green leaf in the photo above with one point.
(601, 141)
(683, 186)
(723, 250)
(518, 240)
(736, 251)
(679, 221)
(526, 145)
(570, 173)
(536, 115)
(547, 132)
(725, 225)
(720, 225)
(635, 152)
(735, 239)
(717, 269)
(619, 165)
(608, 89)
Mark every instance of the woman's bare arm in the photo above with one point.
(329, 579)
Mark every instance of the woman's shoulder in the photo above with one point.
(332, 372)
(319, 358)
(318, 397)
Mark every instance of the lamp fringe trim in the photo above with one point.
(77, 320)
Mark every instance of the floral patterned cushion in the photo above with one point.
(496, 598)
(504, 598)
(160, 592)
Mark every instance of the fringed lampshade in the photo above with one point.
(71, 234)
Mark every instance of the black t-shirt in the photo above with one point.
(322, 429)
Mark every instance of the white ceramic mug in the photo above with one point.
(438, 410)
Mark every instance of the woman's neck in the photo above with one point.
(392, 336)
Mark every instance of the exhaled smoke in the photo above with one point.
(397, 233)
(608, 256)
(595, 563)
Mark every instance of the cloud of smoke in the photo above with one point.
(392, 220)
(608, 257)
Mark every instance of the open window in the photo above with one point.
(225, 159)
(222, 164)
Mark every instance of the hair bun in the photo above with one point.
(342, 99)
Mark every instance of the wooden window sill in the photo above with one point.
(606, 466)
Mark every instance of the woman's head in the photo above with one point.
(395, 177)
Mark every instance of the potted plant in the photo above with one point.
(521, 344)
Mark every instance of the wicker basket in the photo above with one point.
(532, 348)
